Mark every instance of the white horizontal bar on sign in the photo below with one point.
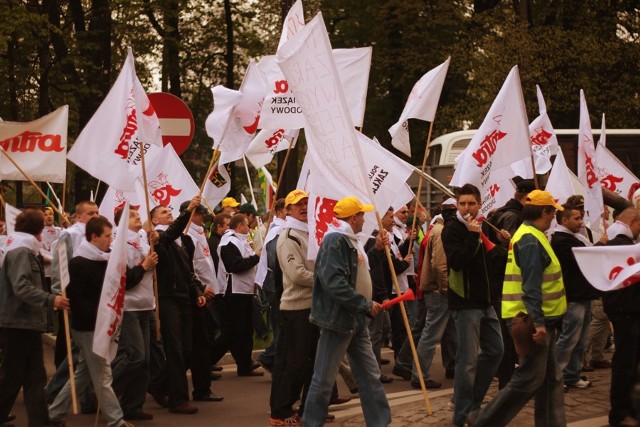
(175, 127)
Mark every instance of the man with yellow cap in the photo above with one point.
(341, 306)
(229, 205)
(533, 284)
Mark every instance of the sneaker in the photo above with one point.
(581, 384)
(385, 379)
(293, 420)
(451, 406)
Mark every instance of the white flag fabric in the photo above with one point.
(108, 147)
(281, 109)
(612, 173)
(268, 142)
(501, 141)
(243, 122)
(223, 102)
(217, 186)
(609, 268)
(115, 199)
(292, 22)
(11, 213)
(563, 183)
(421, 104)
(587, 170)
(111, 305)
(38, 147)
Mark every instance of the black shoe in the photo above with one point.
(385, 361)
(266, 366)
(385, 379)
(215, 376)
(216, 368)
(250, 374)
(211, 397)
(139, 416)
(401, 372)
(254, 366)
(430, 384)
(450, 373)
(354, 390)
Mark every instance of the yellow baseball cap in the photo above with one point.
(294, 197)
(350, 206)
(542, 198)
(229, 202)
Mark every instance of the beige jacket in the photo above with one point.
(433, 275)
(297, 270)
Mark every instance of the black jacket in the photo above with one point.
(175, 268)
(624, 300)
(379, 269)
(466, 253)
(85, 287)
(576, 285)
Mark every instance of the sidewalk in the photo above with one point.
(588, 407)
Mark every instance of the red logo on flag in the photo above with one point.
(163, 191)
(130, 129)
(117, 304)
(324, 216)
(591, 173)
(615, 271)
(281, 86)
(488, 147)
(541, 137)
(609, 182)
(29, 141)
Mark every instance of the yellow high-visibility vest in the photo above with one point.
(554, 301)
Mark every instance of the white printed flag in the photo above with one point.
(224, 100)
(293, 22)
(268, 142)
(587, 170)
(612, 173)
(501, 141)
(108, 147)
(609, 268)
(11, 213)
(563, 183)
(111, 305)
(421, 104)
(217, 186)
(38, 147)
(114, 200)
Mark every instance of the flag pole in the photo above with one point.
(246, 169)
(396, 285)
(36, 186)
(152, 246)
(424, 164)
(215, 157)
(64, 195)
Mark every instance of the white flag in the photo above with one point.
(587, 170)
(11, 214)
(114, 200)
(421, 104)
(281, 109)
(292, 23)
(563, 183)
(217, 186)
(612, 173)
(501, 141)
(38, 147)
(609, 268)
(108, 147)
(223, 102)
(110, 308)
(268, 142)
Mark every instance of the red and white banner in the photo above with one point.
(292, 22)
(281, 108)
(108, 147)
(116, 199)
(609, 268)
(612, 173)
(587, 170)
(501, 141)
(38, 147)
(267, 143)
(421, 104)
(111, 305)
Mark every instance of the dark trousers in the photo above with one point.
(295, 358)
(236, 317)
(624, 369)
(157, 362)
(398, 330)
(199, 363)
(275, 320)
(60, 352)
(509, 358)
(176, 324)
(22, 366)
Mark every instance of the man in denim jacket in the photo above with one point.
(341, 306)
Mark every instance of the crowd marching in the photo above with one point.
(504, 296)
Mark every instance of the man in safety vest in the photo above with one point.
(532, 284)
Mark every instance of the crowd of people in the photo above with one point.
(502, 295)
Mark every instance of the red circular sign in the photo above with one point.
(176, 121)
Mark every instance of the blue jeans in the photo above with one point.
(91, 369)
(131, 366)
(539, 376)
(479, 353)
(573, 339)
(332, 347)
(436, 321)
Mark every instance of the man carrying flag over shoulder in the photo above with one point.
(533, 284)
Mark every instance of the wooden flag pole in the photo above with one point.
(280, 177)
(424, 164)
(152, 248)
(72, 378)
(36, 186)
